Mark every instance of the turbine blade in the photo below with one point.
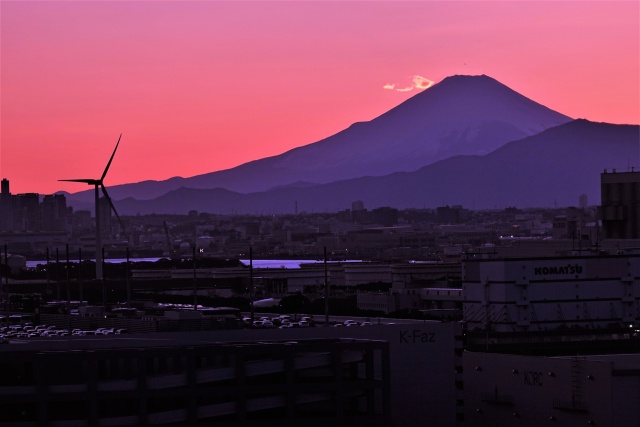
(113, 208)
(110, 160)
(86, 181)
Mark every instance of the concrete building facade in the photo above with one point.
(290, 383)
(419, 286)
(424, 375)
(515, 390)
(536, 294)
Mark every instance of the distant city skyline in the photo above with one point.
(196, 87)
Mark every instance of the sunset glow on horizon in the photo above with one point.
(196, 87)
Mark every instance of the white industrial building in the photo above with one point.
(417, 285)
(537, 294)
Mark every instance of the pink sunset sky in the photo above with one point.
(196, 87)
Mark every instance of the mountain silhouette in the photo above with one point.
(552, 167)
(461, 115)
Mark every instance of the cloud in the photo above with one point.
(421, 82)
(417, 82)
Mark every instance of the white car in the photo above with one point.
(267, 324)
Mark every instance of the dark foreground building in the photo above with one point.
(185, 381)
(569, 391)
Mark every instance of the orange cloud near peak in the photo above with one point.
(417, 82)
(420, 82)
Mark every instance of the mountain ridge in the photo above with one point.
(556, 165)
(459, 115)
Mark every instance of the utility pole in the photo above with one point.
(1, 288)
(5, 296)
(80, 274)
(326, 290)
(128, 281)
(68, 291)
(103, 281)
(195, 282)
(48, 275)
(68, 285)
(57, 274)
(251, 281)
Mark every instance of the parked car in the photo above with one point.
(308, 319)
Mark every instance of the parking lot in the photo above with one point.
(29, 330)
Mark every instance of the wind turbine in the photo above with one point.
(99, 184)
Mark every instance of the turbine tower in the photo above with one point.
(98, 184)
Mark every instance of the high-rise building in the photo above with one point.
(54, 212)
(583, 201)
(451, 214)
(27, 215)
(6, 208)
(81, 220)
(385, 215)
(358, 212)
(620, 210)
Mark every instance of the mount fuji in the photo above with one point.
(461, 115)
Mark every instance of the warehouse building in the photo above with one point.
(537, 294)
